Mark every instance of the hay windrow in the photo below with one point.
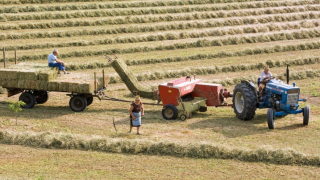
(267, 154)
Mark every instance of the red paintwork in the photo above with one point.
(171, 92)
(209, 91)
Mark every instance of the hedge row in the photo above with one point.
(218, 69)
(19, 9)
(163, 18)
(184, 35)
(67, 1)
(172, 10)
(202, 43)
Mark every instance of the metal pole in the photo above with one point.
(15, 56)
(95, 82)
(104, 83)
(4, 57)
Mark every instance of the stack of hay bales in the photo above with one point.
(44, 78)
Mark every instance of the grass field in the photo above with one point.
(218, 40)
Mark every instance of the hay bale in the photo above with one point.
(86, 88)
(27, 75)
(64, 87)
(74, 87)
(53, 86)
(42, 85)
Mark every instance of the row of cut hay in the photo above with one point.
(3, 90)
(217, 69)
(267, 154)
(294, 75)
(73, 67)
(171, 10)
(291, 35)
(163, 18)
(199, 43)
(64, 1)
(138, 29)
(138, 4)
(6, 2)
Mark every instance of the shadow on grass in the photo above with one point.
(232, 127)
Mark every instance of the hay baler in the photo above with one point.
(185, 95)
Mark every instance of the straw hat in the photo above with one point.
(56, 51)
(137, 97)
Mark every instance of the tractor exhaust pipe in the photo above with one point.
(287, 73)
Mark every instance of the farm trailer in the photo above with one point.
(34, 83)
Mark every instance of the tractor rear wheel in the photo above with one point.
(244, 101)
(306, 113)
(78, 103)
(169, 112)
(270, 118)
(29, 99)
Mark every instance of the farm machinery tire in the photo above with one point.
(41, 96)
(89, 100)
(270, 118)
(244, 101)
(78, 103)
(169, 112)
(306, 114)
(29, 99)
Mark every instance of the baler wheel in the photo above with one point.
(183, 117)
(29, 99)
(169, 112)
(244, 101)
(78, 103)
(270, 117)
(306, 114)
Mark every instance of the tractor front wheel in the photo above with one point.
(244, 101)
(169, 112)
(78, 103)
(306, 113)
(29, 99)
(270, 117)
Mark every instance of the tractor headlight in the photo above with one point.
(277, 103)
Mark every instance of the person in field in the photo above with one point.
(136, 111)
(264, 79)
(53, 61)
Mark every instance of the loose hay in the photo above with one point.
(265, 154)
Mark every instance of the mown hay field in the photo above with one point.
(221, 41)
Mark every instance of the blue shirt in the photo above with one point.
(52, 58)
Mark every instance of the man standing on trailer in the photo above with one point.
(264, 79)
(53, 61)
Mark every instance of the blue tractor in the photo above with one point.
(281, 99)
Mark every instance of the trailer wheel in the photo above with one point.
(29, 99)
(78, 103)
(169, 112)
(41, 96)
(306, 113)
(89, 100)
(244, 101)
(270, 118)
